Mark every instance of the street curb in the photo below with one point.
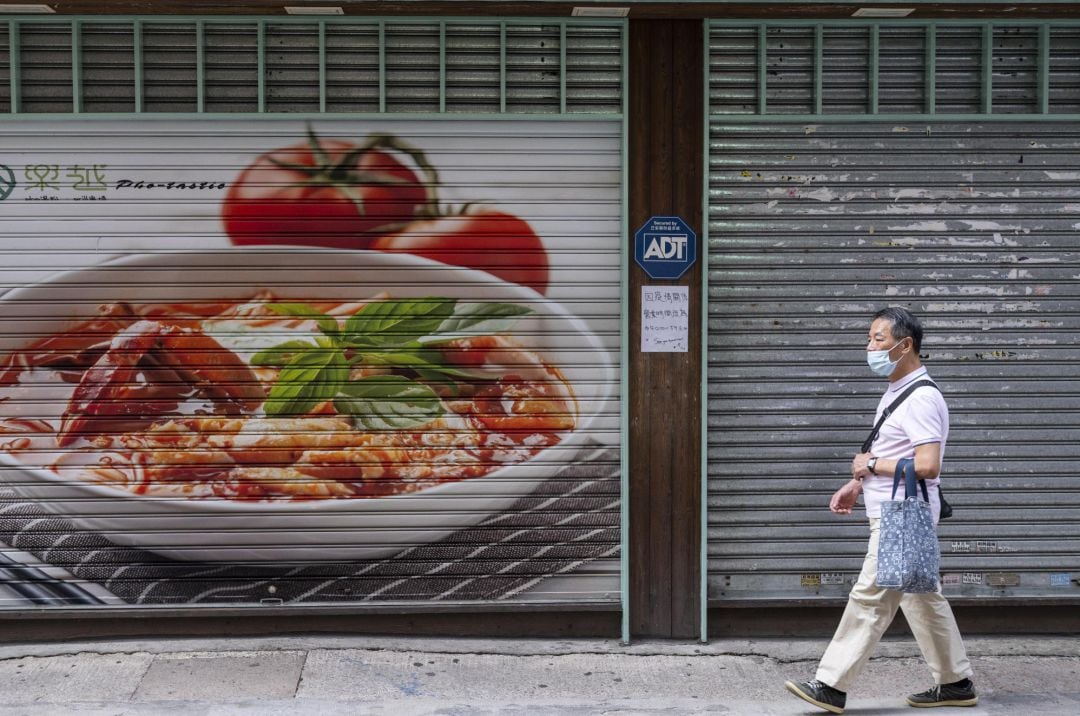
(779, 650)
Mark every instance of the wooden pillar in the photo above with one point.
(666, 164)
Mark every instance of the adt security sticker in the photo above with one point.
(665, 247)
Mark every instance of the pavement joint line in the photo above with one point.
(210, 654)
(141, 677)
(218, 653)
(300, 676)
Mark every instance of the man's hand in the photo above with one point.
(844, 499)
(859, 468)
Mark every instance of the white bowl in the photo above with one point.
(357, 528)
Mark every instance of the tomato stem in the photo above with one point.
(431, 175)
(316, 148)
(342, 175)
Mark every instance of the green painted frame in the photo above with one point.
(14, 24)
(872, 115)
(137, 22)
(762, 114)
(703, 518)
(624, 350)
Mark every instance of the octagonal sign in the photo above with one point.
(665, 246)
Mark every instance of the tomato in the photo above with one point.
(329, 193)
(485, 239)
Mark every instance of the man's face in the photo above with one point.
(881, 338)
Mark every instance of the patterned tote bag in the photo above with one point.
(909, 557)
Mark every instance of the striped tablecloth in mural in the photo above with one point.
(565, 523)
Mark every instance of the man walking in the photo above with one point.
(918, 428)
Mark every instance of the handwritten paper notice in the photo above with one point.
(665, 319)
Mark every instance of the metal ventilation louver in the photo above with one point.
(289, 66)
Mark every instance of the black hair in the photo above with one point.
(904, 324)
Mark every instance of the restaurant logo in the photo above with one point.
(7, 182)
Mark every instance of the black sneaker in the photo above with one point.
(819, 694)
(958, 693)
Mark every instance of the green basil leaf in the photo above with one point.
(336, 373)
(433, 377)
(280, 354)
(477, 319)
(389, 402)
(397, 321)
(307, 380)
(425, 360)
(327, 324)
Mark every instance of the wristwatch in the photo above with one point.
(871, 464)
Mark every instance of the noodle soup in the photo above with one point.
(267, 400)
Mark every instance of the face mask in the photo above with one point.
(879, 362)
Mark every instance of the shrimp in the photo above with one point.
(107, 387)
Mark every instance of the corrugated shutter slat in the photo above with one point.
(812, 229)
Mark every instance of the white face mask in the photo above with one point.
(879, 361)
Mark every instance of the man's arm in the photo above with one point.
(927, 463)
(843, 500)
(927, 467)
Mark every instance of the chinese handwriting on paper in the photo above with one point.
(665, 319)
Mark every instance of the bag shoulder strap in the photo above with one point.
(892, 408)
(906, 467)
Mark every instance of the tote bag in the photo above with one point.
(909, 556)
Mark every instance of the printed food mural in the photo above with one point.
(305, 362)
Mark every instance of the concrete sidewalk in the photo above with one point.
(323, 675)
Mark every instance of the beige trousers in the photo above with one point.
(870, 610)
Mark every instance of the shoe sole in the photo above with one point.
(790, 686)
(954, 702)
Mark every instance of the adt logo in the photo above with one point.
(665, 247)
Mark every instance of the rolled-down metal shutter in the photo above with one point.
(976, 229)
(131, 211)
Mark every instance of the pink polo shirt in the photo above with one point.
(922, 418)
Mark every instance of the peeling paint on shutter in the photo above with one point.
(813, 227)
